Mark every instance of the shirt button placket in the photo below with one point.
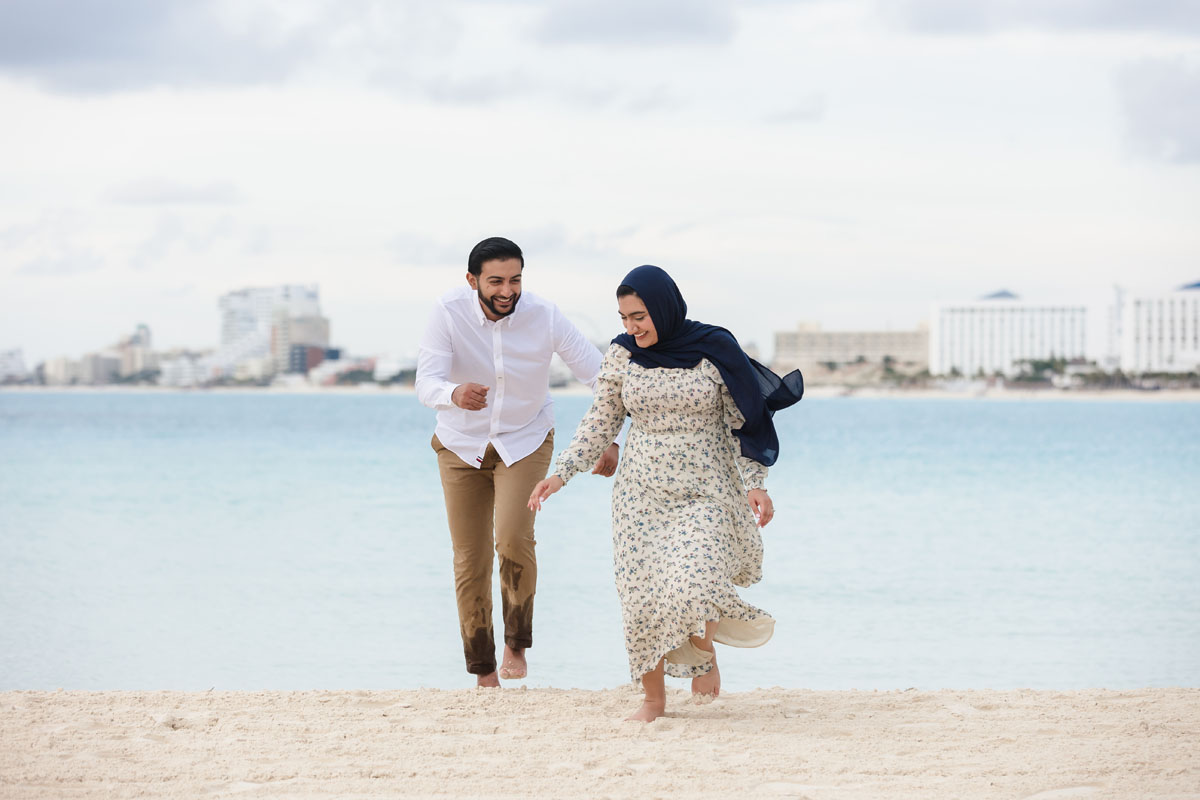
(498, 360)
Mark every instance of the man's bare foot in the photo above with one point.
(708, 685)
(489, 681)
(650, 711)
(513, 667)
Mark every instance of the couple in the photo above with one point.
(685, 500)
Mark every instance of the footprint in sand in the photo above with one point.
(237, 787)
(785, 789)
(1063, 794)
(960, 709)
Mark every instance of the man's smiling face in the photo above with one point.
(498, 286)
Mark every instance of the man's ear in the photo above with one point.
(472, 281)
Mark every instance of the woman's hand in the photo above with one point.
(761, 505)
(607, 464)
(543, 490)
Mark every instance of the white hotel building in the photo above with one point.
(247, 314)
(247, 318)
(12, 366)
(1160, 333)
(996, 332)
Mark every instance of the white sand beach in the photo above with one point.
(548, 743)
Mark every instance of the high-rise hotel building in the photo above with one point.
(250, 312)
(1160, 333)
(12, 366)
(249, 315)
(997, 332)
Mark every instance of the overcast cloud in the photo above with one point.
(62, 262)
(1161, 101)
(1174, 17)
(638, 22)
(840, 161)
(76, 46)
(158, 191)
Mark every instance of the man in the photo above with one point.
(484, 364)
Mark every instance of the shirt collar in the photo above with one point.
(483, 320)
(478, 307)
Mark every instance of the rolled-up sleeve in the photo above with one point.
(581, 357)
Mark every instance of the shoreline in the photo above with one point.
(517, 742)
(810, 392)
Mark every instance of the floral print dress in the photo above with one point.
(683, 533)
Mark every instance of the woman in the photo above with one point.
(689, 487)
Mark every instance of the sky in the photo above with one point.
(846, 162)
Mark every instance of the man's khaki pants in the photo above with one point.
(478, 501)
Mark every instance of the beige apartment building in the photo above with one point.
(809, 346)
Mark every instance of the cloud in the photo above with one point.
(258, 241)
(156, 191)
(807, 109)
(559, 91)
(1160, 99)
(654, 99)
(638, 22)
(67, 261)
(555, 240)
(982, 16)
(46, 246)
(88, 47)
(15, 235)
(478, 90)
(552, 239)
(416, 248)
(171, 234)
(409, 48)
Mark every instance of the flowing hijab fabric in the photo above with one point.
(682, 343)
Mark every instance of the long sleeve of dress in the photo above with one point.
(603, 420)
(754, 474)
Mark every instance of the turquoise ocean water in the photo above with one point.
(259, 540)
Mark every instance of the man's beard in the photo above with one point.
(491, 306)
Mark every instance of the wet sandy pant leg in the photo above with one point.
(469, 510)
(515, 541)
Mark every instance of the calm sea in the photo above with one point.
(259, 540)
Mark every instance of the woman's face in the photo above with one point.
(637, 320)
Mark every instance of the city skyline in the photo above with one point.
(270, 330)
(848, 161)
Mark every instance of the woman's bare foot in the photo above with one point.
(489, 681)
(650, 711)
(708, 685)
(513, 667)
(655, 703)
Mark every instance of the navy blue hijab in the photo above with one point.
(682, 343)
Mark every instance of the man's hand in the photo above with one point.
(543, 490)
(471, 396)
(761, 505)
(607, 464)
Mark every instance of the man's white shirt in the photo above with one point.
(512, 357)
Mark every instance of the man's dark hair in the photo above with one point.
(495, 248)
